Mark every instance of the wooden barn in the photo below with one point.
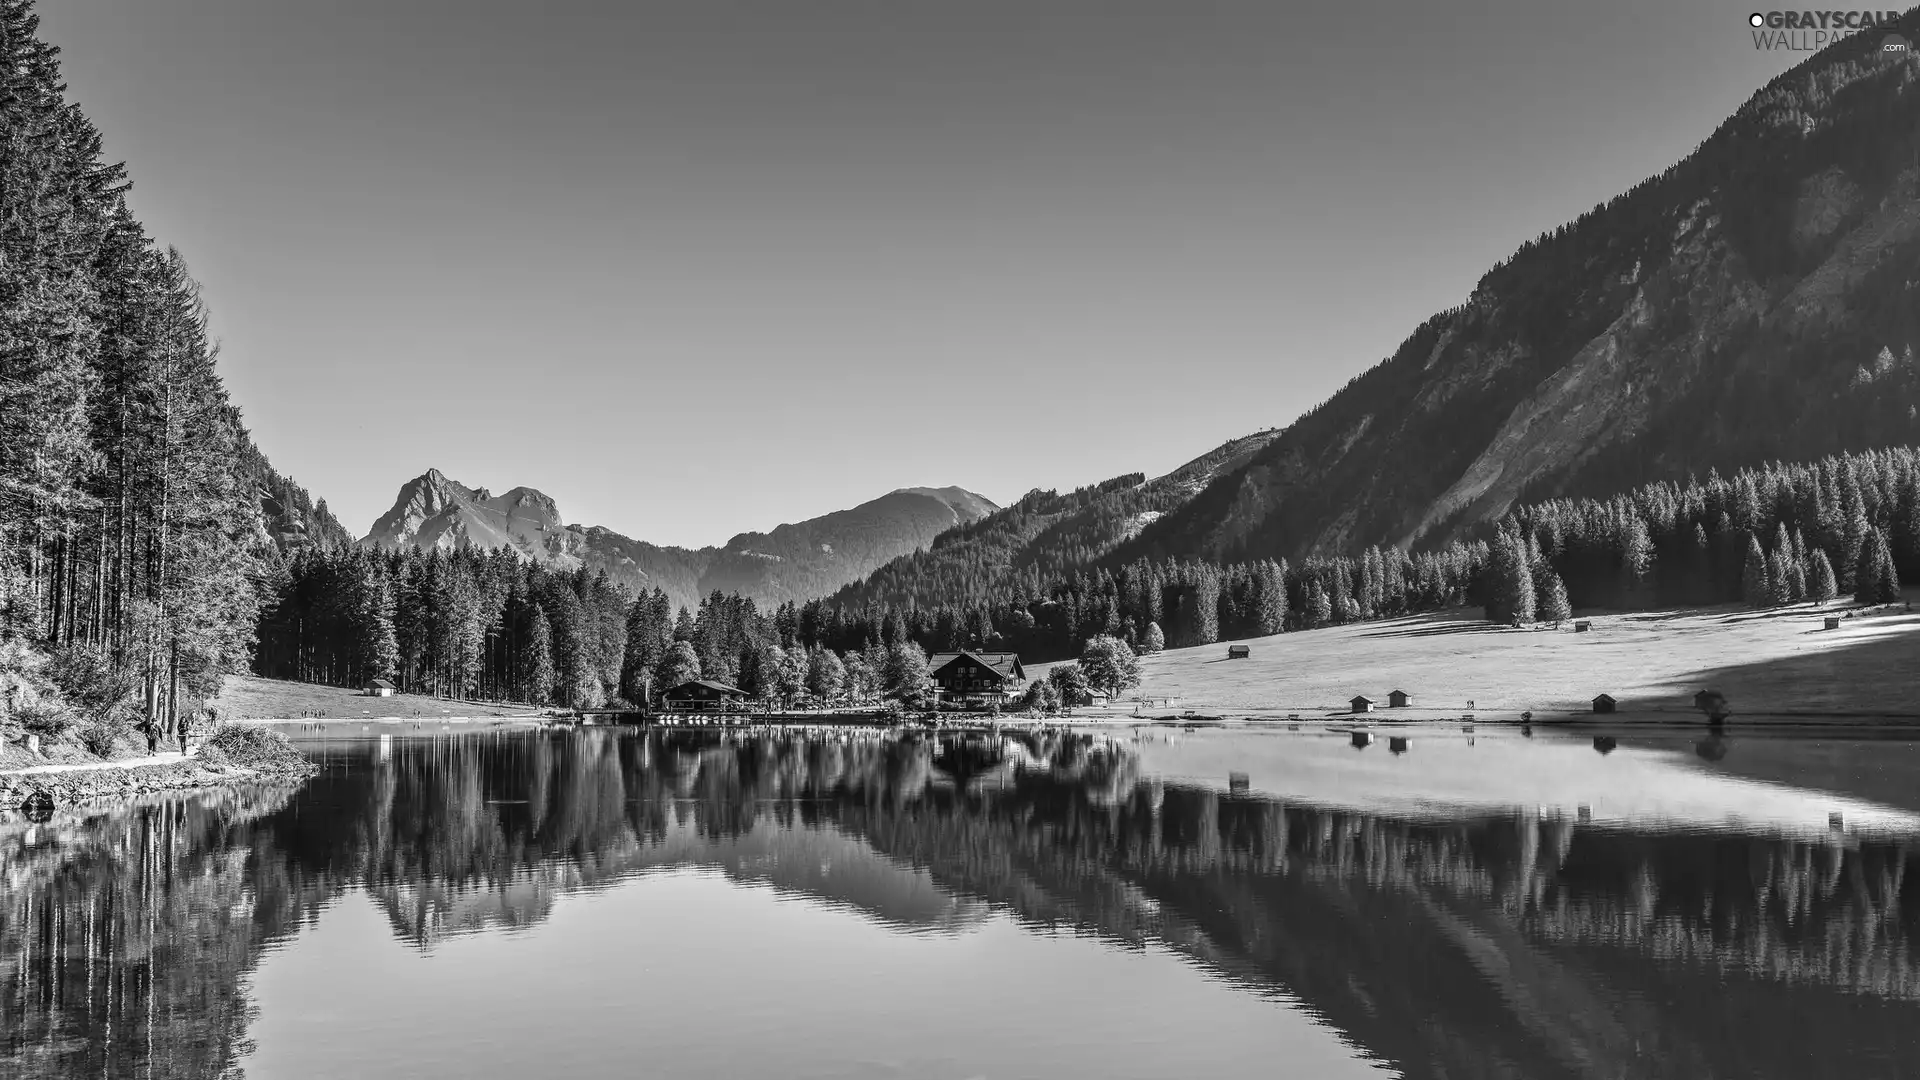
(1399, 699)
(702, 695)
(1362, 704)
(379, 688)
(1604, 703)
(977, 679)
(1238, 652)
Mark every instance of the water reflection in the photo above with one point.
(1515, 944)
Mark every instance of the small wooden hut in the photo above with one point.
(1399, 699)
(379, 688)
(1238, 652)
(1362, 704)
(1604, 703)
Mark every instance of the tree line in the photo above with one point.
(1847, 524)
(467, 623)
(493, 625)
(131, 546)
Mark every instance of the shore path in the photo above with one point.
(124, 763)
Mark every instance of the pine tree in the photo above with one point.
(1821, 586)
(1510, 589)
(1779, 588)
(1153, 641)
(1552, 605)
(1270, 599)
(383, 646)
(1875, 579)
(1755, 589)
(538, 664)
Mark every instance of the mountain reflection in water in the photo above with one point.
(1508, 945)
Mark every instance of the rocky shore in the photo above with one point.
(236, 756)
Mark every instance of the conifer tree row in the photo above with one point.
(130, 530)
(1844, 525)
(466, 623)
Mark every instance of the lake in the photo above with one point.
(1151, 903)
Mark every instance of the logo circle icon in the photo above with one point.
(1756, 19)
(1895, 47)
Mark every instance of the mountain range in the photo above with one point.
(1759, 300)
(792, 562)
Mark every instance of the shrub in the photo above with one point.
(252, 746)
(100, 736)
(88, 679)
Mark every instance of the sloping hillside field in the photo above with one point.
(1779, 663)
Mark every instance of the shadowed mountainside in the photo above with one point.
(1754, 302)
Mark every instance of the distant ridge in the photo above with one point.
(797, 561)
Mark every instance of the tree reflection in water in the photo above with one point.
(1493, 945)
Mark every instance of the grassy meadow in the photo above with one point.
(248, 697)
(1776, 662)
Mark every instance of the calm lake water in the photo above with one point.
(1170, 904)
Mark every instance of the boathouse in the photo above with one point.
(1238, 652)
(379, 688)
(702, 695)
(1399, 699)
(1603, 703)
(973, 679)
(1362, 704)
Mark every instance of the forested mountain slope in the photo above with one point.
(1758, 301)
(1042, 536)
(797, 561)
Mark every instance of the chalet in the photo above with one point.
(1603, 703)
(977, 679)
(1238, 652)
(702, 695)
(379, 688)
(1399, 699)
(1362, 704)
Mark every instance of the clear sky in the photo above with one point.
(700, 267)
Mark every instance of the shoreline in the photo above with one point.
(70, 785)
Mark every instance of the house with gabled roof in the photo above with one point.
(975, 679)
(702, 695)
